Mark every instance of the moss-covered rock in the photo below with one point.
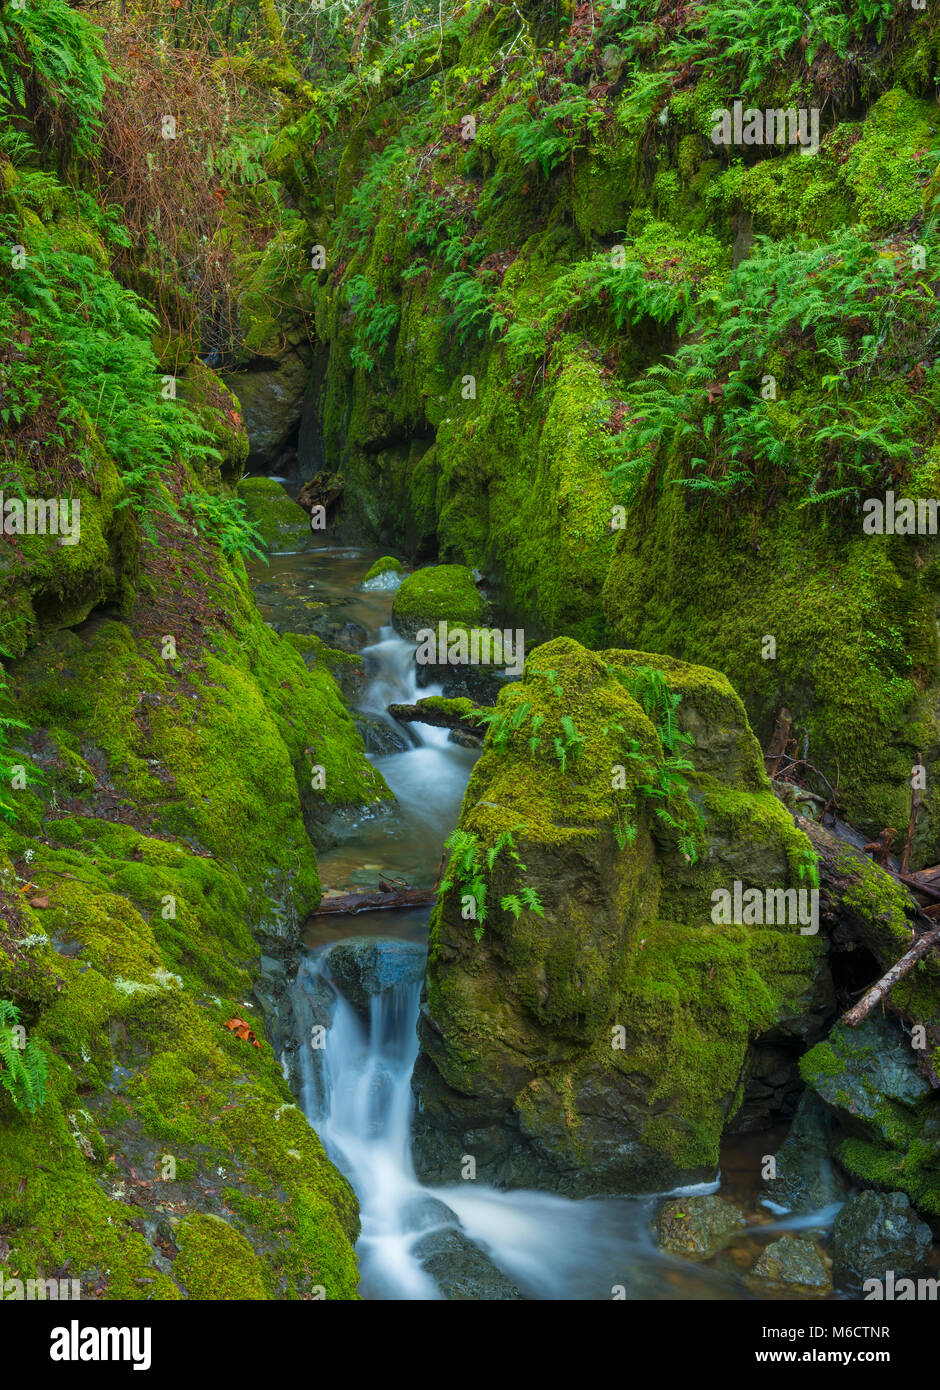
(387, 564)
(282, 523)
(440, 593)
(588, 1024)
(186, 754)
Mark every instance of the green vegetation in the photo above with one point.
(22, 1064)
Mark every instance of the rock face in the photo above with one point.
(271, 399)
(590, 1028)
(791, 1268)
(876, 1232)
(696, 1228)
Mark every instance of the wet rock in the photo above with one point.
(425, 1213)
(696, 1228)
(364, 966)
(576, 1033)
(379, 737)
(806, 1179)
(876, 1232)
(461, 1270)
(863, 1072)
(791, 1268)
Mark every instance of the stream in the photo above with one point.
(419, 1242)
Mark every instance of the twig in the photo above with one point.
(887, 982)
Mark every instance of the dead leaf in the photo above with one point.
(242, 1030)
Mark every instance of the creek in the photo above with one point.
(356, 1087)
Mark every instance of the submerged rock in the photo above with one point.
(461, 1270)
(364, 966)
(696, 1228)
(791, 1268)
(876, 1232)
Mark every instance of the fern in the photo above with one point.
(23, 1070)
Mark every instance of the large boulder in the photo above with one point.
(587, 1020)
(271, 398)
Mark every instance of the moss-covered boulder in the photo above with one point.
(219, 413)
(283, 525)
(439, 593)
(588, 1020)
(386, 567)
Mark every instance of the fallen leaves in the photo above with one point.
(242, 1030)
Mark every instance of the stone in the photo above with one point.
(696, 1228)
(876, 1232)
(461, 1270)
(364, 966)
(791, 1268)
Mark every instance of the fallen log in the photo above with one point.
(351, 903)
(425, 713)
(887, 982)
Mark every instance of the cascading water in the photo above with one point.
(356, 1067)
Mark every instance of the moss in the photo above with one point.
(440, 593)
(914, 1172)
(620, 931)
(218, 412)
(215, 1261)
(386, 564)
(170, 834)
(282, 523)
